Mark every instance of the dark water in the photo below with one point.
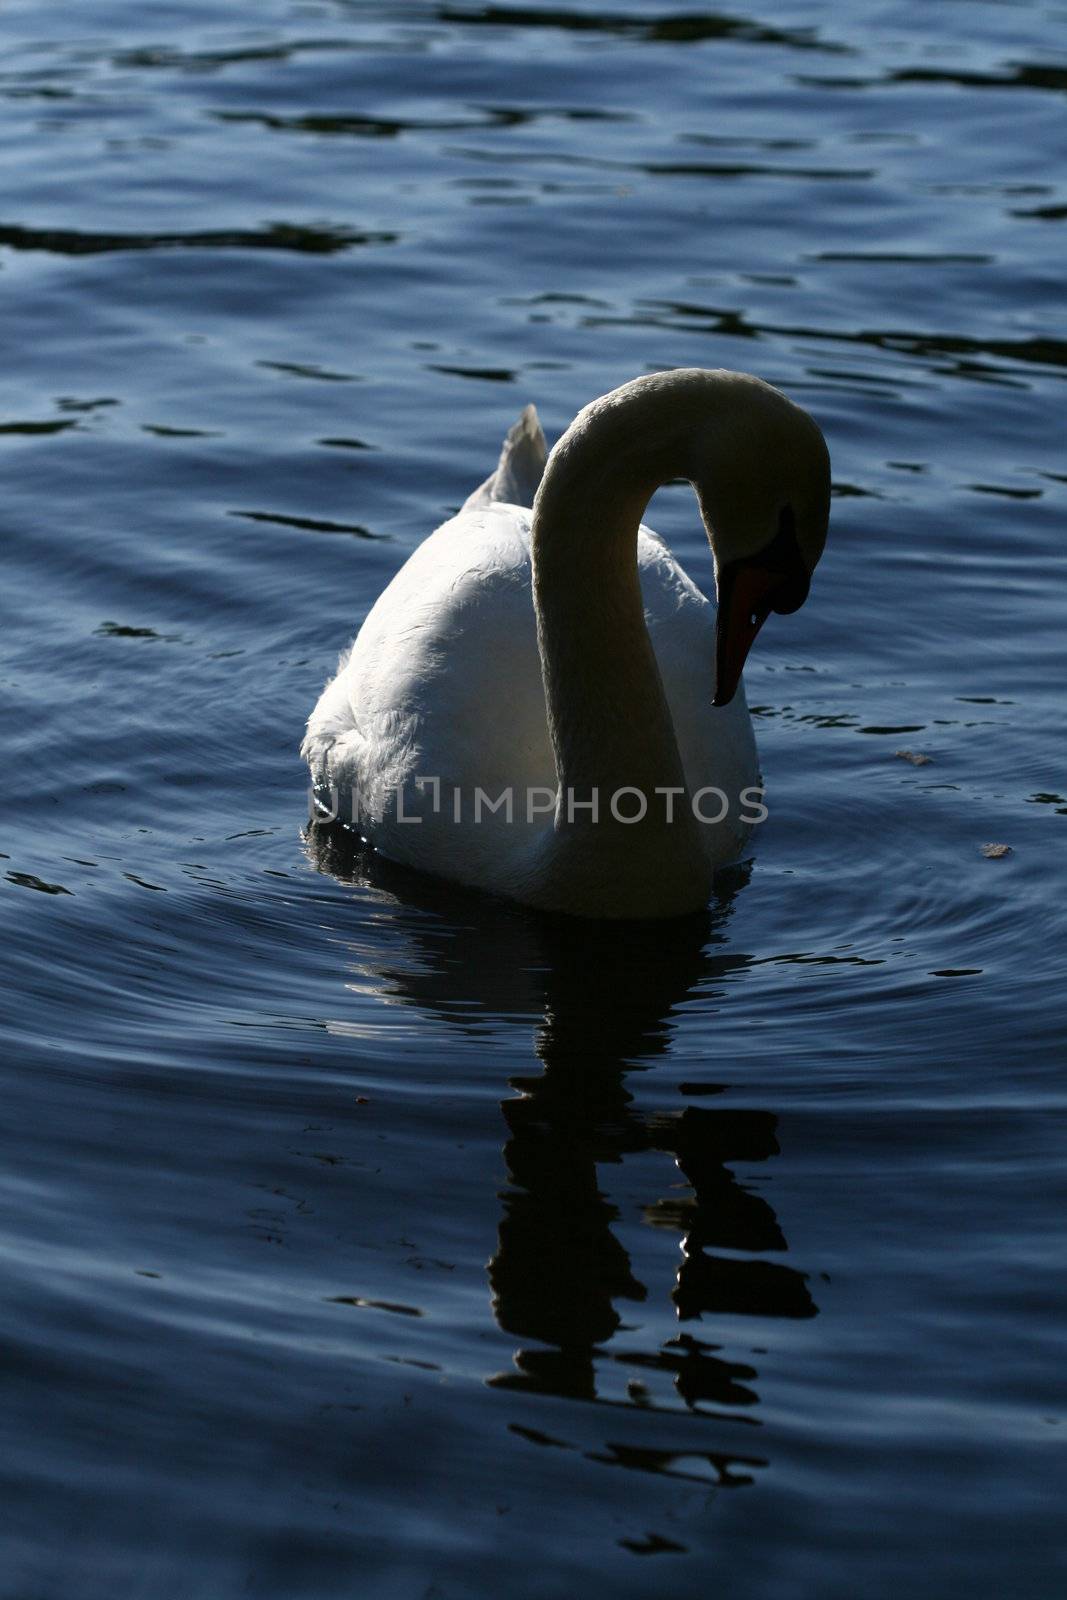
(364, 1240)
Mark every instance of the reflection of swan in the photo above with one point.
(602, 1007)
(443, 710)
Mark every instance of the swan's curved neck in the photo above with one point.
(608, 715)
(607, 711)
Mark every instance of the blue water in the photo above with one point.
(363, 1239)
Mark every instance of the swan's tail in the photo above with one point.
(520, 468)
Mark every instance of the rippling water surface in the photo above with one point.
(362, 1239)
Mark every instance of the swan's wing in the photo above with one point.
(520, 468)
(451, 565)
(444, 678)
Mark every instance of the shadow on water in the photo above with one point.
(675, 28)
(600, 998)
(285, 236)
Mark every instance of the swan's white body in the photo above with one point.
(444, 681)
(439, 709)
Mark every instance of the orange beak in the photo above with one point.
(749, 589)
(745, 592)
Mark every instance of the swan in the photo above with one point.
(542, 704)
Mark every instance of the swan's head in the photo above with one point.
(763, 482)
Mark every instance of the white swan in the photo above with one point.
(561, 657)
